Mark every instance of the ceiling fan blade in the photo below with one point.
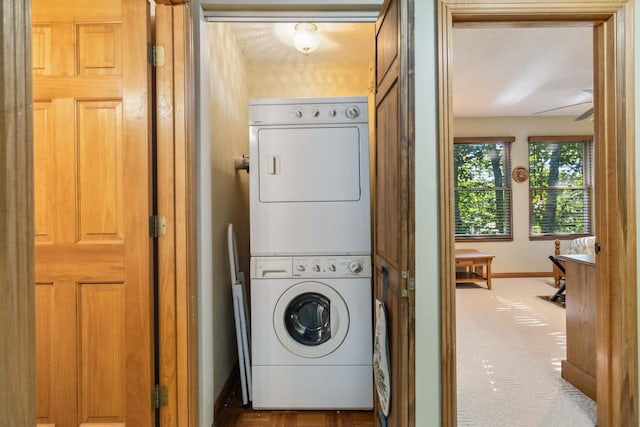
(560, 108)
(584, 115)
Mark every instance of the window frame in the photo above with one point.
(588, 180)
(489, 140)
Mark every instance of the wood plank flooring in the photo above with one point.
(233, 414)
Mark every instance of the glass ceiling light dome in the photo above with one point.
(306, 38)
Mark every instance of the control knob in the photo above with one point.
(300, 267)
(331, 267)
(298, 114)
(332, 113)
(353, 112)
(355, 266)
(316, 268)
(315, 113)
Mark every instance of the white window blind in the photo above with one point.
(482, 183)
(560, 186)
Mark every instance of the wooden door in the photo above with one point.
(394, 201)
(94, 353)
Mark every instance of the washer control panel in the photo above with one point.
(344, 266)
(327, 266)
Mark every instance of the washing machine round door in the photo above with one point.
(311, 319)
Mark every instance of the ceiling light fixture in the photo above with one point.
(306, 38)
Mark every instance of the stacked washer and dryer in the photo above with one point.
(311, 309)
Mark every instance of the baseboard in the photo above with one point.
(226, 391)
(518, 275)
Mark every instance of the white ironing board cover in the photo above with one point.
(240, 310)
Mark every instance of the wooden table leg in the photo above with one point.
(489, 273)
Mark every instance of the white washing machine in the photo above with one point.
(311, 332)
(309, 176)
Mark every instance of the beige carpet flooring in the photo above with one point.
(509, 345)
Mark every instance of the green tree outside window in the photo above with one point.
(482, 188)
(560, 190)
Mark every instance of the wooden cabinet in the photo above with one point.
(580, 366)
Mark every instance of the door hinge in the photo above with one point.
(156, 55)
(157, 226)
(411, 284)
(159, 396)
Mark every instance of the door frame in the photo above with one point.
(269, 11)
(176, 201)
(616, 331)
(17, 301)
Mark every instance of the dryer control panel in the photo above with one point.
(311, 266)
(308, 111)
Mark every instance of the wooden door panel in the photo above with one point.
(43, 158)
(99, 49)
(41, 49)
(56, 353)
(45, 345)
(92, 190)
(63, 177)
(102, 375)
(399, 365)
(387, 42)
(394, 212)
(50, 42)
(388, 210)
(100, 216)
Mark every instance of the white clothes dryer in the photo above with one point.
(311, 332)
(309, 176)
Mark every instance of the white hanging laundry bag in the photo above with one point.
(381, 371)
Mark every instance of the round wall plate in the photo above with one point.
(520, 174)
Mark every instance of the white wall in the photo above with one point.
(204, 221)
(427, 234)
(520, 255)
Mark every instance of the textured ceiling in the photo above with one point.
(272, 43)
(496, 71)
(521, 71)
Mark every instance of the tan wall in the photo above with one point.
(230, 188)
(308, 80)
(521, 255)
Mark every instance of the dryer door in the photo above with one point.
(309, 164)
(311, 319)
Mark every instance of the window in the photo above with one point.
(482, 188)
(560, 186)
